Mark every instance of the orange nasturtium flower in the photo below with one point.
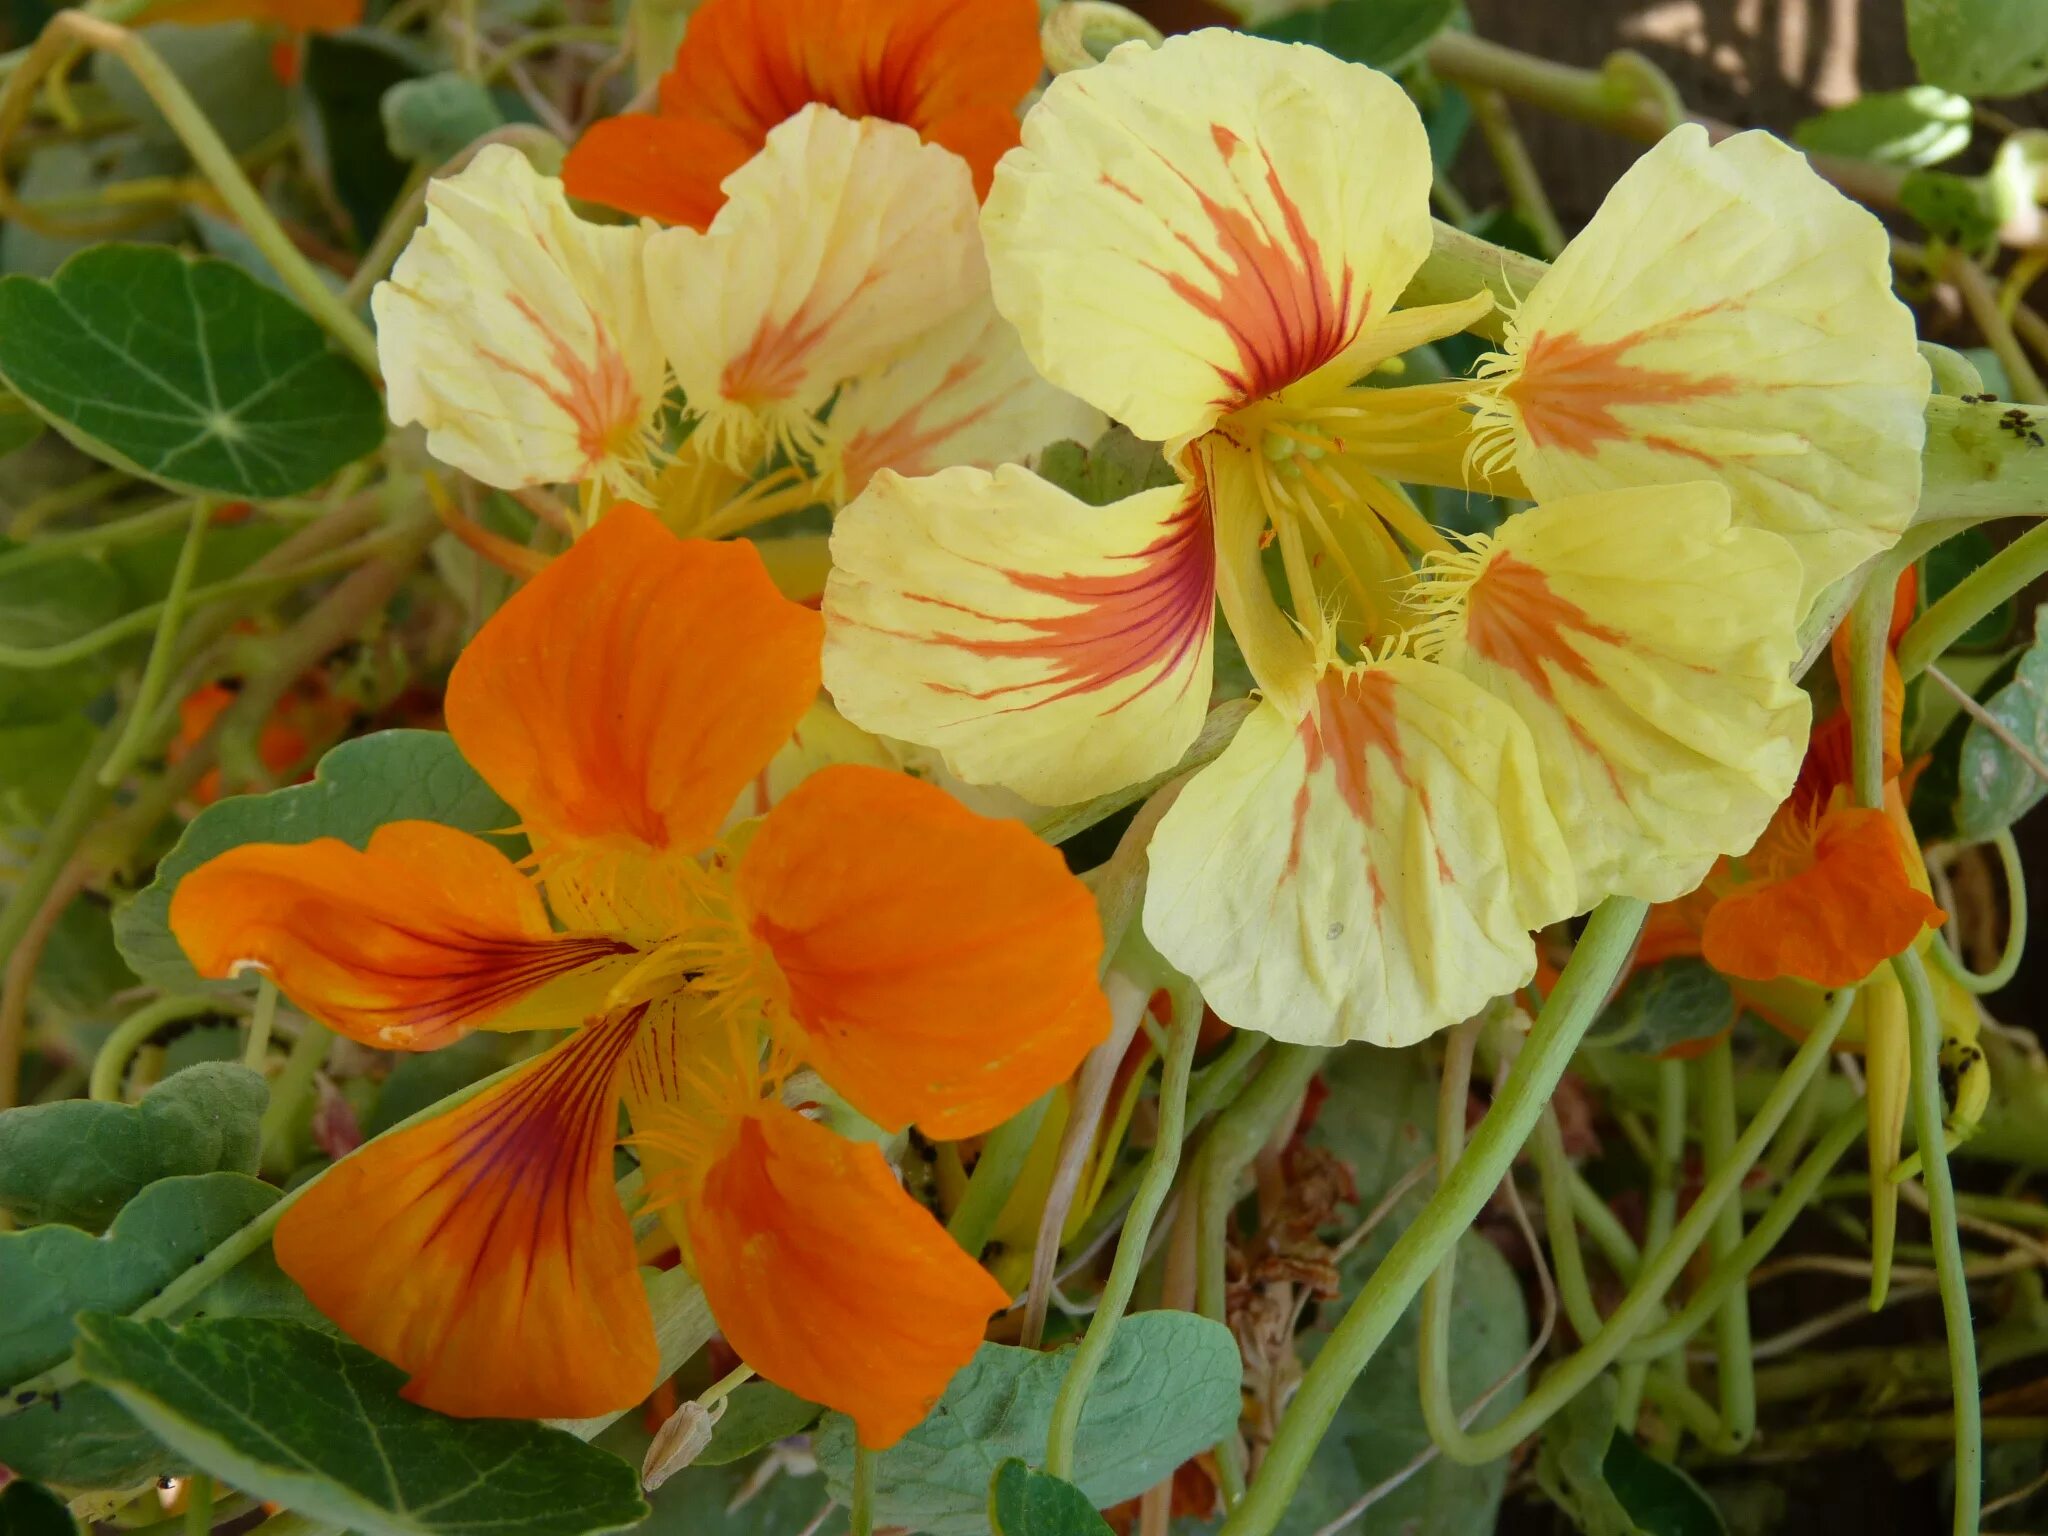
(1832, 889)
(1595, 700)
(954, 70)
(931, 965)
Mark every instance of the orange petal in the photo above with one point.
(407, 945)
(629, 692)
(486, 1252)
(1831, 923)
(952, 69)
(667, 168)
(829, 1279)
(941, 965)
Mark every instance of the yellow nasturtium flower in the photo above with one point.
(1206, 241)
(845, 268)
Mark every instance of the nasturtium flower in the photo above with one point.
(953, 70)
(931, 965)
(1188, 240)
(1832, 889)
(845, 269)
(1596, 699)
(1725, 314)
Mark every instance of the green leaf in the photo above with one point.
(346, 77)
(1118, 465)
(1664, 1005)
(186, 370)
(421, 1078)
(1387, 34)
(79, 1161)
(19, 426)
(359, 786)
(81, 970)
(73, 171)
(1996, 788)
(27, 1509)
(1921, 125)
(757, 1414)
(1168, 1390)
(1973, 211)
(1022, 1502)
(49, 1274)
(37, 765)
(1659, 1497)
(428, 120)
(316, 1423)
(60, 599)
(1979, 47)
(83, 1438)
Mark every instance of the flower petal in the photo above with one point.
(666, 168)
(1059, 649)
(1192, 227)
(1727, 312)
(1831, 923)
(516, 333)
(941, 966)
(839, 245)
(486, 1251)
(827, 1277)
(965, 393)
(407, 945)
(1649, 645)
(629, 692)
(1371, 872)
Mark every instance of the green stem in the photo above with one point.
(1240, 1131)
(1665, 1166)
(127, 530)
(1638, 1309)
(1924, 1033)
(198, 1504)
(110, 1066)
(135, 733)
(1461, 1194)
(1518, 172)
(1950, 964)
(1949, 617)
(1130, 1249)
(1003, 1156)
(301, 1064)
(1567, 1258)
(1734, 1375)
(31, 515)
(1601, 1224)
(1212, 1086)
(1732, 1269)
(257, 1051)
(218, 164)
(1791, 1143)
(863, 1514)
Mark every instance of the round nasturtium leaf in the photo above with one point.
(185, 370)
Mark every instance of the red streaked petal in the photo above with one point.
(941, 965)
(829, 1279)
(408, 944)
(486, 1252)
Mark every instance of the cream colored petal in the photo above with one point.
(1371, 872)
(1727, 313)
(964, 393)
(517, 333)
(840, 244)
(1190, 227)
(1649, 645)
(1058, 649)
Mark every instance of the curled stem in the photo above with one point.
(110, 1066)
(1733, 1375)
(1639, 1308)
(1951, 964)
(1602, 950)
(1130, 1249)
